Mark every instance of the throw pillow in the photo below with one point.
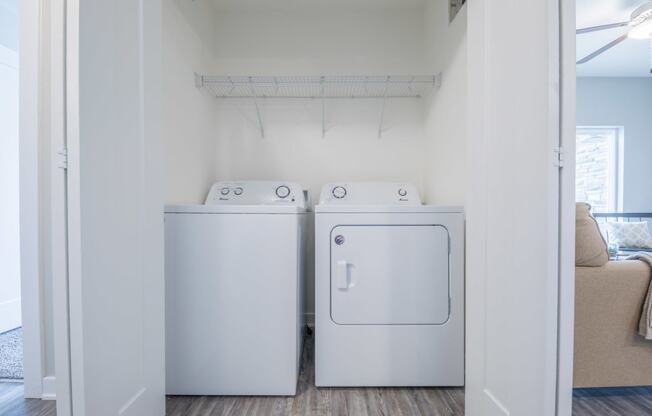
(629, 234)
(590, 247)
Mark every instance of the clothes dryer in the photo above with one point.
(389, 288)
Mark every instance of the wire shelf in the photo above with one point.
(319, 87)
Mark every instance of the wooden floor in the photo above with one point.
(327, 401)
(632, 401)
(636, 401)
(13, 404)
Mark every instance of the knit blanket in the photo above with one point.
(645, 323)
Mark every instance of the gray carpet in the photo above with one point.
(11, 355)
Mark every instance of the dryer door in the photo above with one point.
(390, 274)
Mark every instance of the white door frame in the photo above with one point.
(59, 131)
(58, 178)
(567, 217)
(30, 270)
(66, 204)
(560, 209)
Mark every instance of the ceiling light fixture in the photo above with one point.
(641, 31)
(641, 23)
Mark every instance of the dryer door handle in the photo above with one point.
(342, 275)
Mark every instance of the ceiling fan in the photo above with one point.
(640, 24)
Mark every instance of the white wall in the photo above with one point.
(188, 114)
(330, 41)
(446, 122)
(623, 102)
(9, 24)
(10, 306)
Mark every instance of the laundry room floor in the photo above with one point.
(326, 401)
(635, 401)
(12, 402)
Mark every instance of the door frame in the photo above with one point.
(30, 221)
(66, 184)
(566, 320)
(58, 200)
(561, 72)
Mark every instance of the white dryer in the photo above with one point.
(389, 288)
(234, 290)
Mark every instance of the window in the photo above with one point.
(598, 170)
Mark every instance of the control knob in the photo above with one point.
(339, 192)
(282, 191)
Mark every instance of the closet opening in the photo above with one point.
(317, 93)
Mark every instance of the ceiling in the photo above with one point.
(245, 5)
(629, 59)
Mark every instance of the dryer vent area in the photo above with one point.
(337, 93)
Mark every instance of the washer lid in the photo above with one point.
(256, 193)
(234, 209)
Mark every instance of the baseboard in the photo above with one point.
(9, 315)
(309, 318)
(49, 388)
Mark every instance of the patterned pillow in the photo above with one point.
(629, 234)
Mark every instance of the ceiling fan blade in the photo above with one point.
(601, 27)
(603, 49)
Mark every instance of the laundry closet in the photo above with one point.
(303, 142)
(403, 62)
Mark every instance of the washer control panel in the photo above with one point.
(369, 193)
(256, 193)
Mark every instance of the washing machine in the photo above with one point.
(234, 273)
(389, 288)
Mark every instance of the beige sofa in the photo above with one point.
(608, 301)
(609, 298)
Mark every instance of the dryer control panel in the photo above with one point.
(256, 193)
(369, 193)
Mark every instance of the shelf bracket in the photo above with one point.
(255, 98)
(323, 109)
(199, 80)
(382, 110)
(438, 80)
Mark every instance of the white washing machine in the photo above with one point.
(389, 288)
(234, 271)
